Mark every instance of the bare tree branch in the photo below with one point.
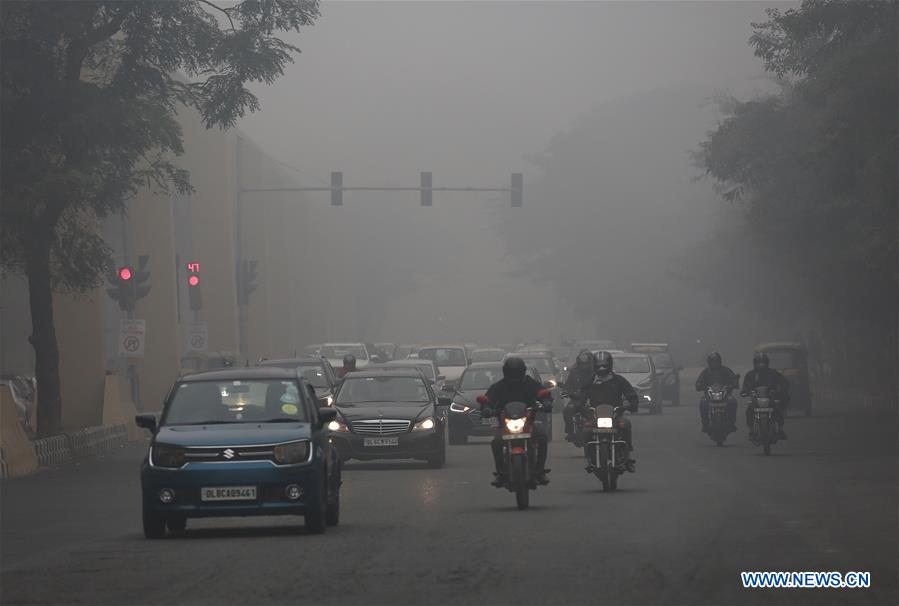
(222, 10)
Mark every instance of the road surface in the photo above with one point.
(679, 531)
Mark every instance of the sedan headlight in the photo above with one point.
(329, 400)
(162, 455)
(604, 422)
(459, 407)
(424, 425)
(292, 452)
(338, 426)
(515, 425)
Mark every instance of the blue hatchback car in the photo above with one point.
(240, 442)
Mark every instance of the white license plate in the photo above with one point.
(381, 442)
(490, 421)
(228, 493)
(516, 436)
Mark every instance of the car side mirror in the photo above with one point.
(146, 421)
(326, 415)
(441, 377)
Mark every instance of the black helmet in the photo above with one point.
(349, 361)
(603, 364)
(760, 360)
(714, 360)
(514, 369)
(584, 359)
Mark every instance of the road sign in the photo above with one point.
(132, 335)
(198, 336)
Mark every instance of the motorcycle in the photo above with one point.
(607, 452)
(578, 425)
(720, 424)
(764, 425)
(519, 449)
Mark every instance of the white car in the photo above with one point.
(450, 359)
(334, 352)
(640, 372)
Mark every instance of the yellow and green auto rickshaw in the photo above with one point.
(791, 360)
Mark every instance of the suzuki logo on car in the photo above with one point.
(228, 453)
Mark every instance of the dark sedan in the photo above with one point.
(388, 414)
(318, 371)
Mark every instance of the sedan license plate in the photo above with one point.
(228, 493)
(381, 442)
(491, 421)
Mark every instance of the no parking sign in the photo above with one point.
(198, 336)
(132, 335)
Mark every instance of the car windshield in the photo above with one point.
(444, 356)
(339, 351)
(662, 360)
(427, 369)
(544, 365)
(364, 390)
(487, 355)
(632, 364)
(480, 378)
(253, 401)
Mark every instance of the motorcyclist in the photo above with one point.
(714, 373)
(610, 388)
(762, 375)
(581, 374)
(349, 365)
(516, 386)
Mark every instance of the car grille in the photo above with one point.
(230, 454)
(380, 427)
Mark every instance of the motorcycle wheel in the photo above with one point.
(518, 473)
(604, 469)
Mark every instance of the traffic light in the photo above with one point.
(246, 280)
(517, 189)
(194, 295)
(337, 189)
(140, 276)
(122, 291)
(427, 192)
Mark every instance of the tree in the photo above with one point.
(815, 168)
(90, 92)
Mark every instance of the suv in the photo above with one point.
(240, 442)
(666, 368)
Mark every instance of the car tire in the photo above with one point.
(457, 438)
(438, 459)
(154, 525)
(176, 523)
(315, 520)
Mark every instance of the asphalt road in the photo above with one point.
(679, 531)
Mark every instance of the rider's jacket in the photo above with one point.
(504, 391)
(577, 379)
(770, 378)
(721, 375)
(609, 390)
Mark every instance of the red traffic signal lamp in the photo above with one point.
(125, 273)
(194, 296)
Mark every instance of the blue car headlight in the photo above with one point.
(292, 452)
(170, 457)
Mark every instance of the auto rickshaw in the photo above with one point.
(791, 360)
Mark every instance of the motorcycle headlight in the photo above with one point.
(329, 400)
(338, 426)
(604, 422)
(424, 425)
(458, 407)
(171, 457)
(552, 382)
(292, 452)
(515, 425)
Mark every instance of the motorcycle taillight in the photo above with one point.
(621, 424)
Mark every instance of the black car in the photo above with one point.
(666, 368)
(388, 414)
(465, 413)
(318, 371)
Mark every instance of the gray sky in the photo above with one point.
(471, 90)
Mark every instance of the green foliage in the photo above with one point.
(90, 92)
(816, 167)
